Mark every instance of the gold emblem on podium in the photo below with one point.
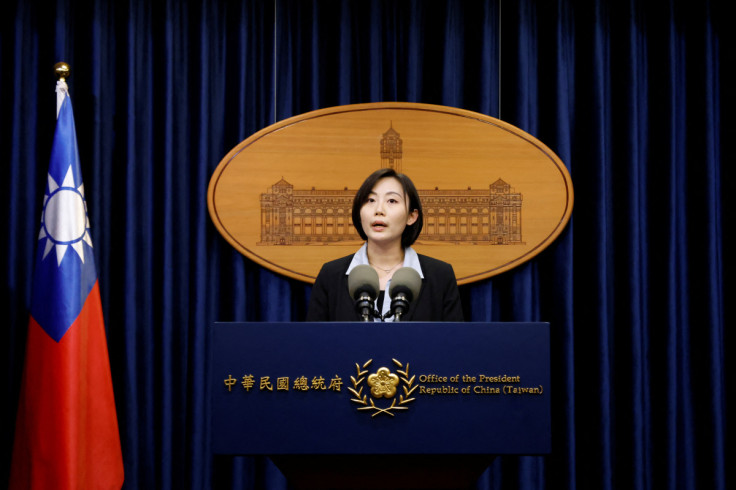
(382, 384)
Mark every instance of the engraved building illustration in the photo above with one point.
(468, 216)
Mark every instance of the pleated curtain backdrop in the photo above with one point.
(634, 96)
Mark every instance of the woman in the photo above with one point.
(388, 215)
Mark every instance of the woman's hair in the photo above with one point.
(411, 232)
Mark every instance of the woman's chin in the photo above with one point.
(383, 238)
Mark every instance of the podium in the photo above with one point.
(380, 405)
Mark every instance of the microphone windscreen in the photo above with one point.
(363, 278)
(406, 280)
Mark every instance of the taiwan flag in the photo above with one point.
(66, 433)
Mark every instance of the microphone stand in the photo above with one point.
(399, 305)
(364, 304)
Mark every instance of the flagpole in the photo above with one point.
(62, 71)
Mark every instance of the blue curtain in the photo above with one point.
(634, 96)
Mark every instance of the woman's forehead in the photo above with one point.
(388, 185)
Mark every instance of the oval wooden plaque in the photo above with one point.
(493, 195)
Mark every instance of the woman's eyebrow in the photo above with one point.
(374, 193)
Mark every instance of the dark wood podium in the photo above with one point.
(380, 405)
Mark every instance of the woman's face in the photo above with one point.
(385, 213)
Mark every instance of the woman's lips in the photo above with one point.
(378, 225)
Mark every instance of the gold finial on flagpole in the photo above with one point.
(62, 70)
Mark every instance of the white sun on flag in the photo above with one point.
(64, 221)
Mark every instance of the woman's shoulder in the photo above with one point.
(338, 265)
(432, 262)
(433, 266)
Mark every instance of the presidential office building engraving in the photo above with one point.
(490, 216)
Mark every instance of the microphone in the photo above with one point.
(405, 285)
(363, 285)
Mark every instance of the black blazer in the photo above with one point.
(438, 299)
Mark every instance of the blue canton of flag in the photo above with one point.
(65, 268)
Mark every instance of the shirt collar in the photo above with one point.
(411, 259)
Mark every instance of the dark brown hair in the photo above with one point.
(411, 232)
